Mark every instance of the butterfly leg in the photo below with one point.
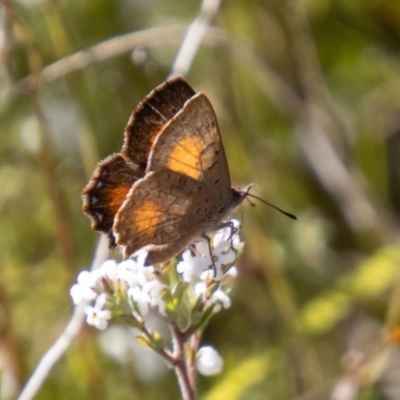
(233, 229)
(211, 253)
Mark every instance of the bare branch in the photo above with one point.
(112, 48)
(194, 37)
(321, 125)
(55, 352)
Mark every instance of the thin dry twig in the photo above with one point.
(55, 352)
(319, 124)
(159, 36)
(47, 157)
(194, 37)
(111, 48)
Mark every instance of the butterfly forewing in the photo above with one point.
(191, 144)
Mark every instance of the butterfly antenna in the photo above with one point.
(271, 205)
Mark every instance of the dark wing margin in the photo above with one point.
(151, 115)
(106, 191)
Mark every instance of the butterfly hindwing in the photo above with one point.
(106, 191)
(160, 211)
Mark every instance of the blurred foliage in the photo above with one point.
(306, 93)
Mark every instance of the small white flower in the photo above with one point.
(128, 273)
(148, 296)
(228, 234)
(86, 278)
(141, 299)
(83, 290)
(80, 293)
(232, 272)
(208, 361)
(109, 271)
(155, 290)
(193, 265)
(209, 275)
(96, 315)
(219, 298)
(97, 318)
(226, 243)
(225, 252)
(200, 289)
(101, 301)
(133, 271)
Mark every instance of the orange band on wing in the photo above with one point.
(185, 157)
(116, 196)
(146, 216)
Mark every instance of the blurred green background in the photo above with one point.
(307, 97)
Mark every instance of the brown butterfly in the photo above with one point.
(170, 183)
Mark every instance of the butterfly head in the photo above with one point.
(238, 195)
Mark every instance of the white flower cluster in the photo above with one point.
(142, 286)
(198, 269)
(196, 261)
(129, 278)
